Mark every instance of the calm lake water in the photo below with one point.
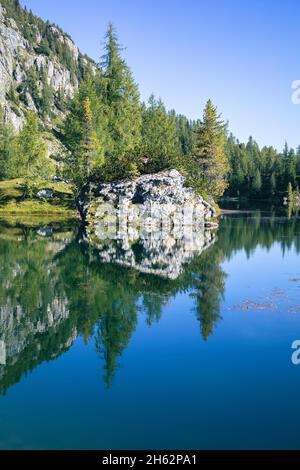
(100, 349)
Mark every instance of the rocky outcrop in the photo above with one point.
(153, 224)
(25, 66)
(150, 201)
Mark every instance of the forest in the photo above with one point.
(108, 133)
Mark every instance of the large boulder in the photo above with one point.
(150, 200)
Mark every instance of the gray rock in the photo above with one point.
(150, 200)
(17, 56)
(45, 194)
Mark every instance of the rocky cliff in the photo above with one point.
(40, 66)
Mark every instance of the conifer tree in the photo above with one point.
(209, 152)
(291, 167)
(31, 148)
(160, 144)
(273, 183)
(84, 134)
(30, 157)
(256, 183)
(120, 99)
(75, 126)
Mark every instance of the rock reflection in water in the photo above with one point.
(55, 286)
(160, 252)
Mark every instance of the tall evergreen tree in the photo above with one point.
(120, 99)
(291, 167)
(209, 152)
(273, 183)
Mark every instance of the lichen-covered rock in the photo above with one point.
(154, 200)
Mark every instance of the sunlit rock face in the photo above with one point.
(154, 200)
(19, 57)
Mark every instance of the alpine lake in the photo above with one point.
(151, 343)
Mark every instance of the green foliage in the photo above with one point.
(290, 192)
(12, 94)
(30, 86)
(209, 152)
(7, 148)
(84, 129)
(260, 173)
(123, 166)
(124, 138)
(12, 201)
(114, 124)
(119, 98)
(46, 95)
(160, 147)
(185, 133)
(30, 154)
(256, 183)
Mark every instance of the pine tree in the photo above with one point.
(209, 152)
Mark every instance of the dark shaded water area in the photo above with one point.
(150, 344)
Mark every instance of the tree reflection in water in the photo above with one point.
(56, 286)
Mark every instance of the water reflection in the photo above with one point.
(56, 285)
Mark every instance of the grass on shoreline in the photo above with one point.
(12, 200)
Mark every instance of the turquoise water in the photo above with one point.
(101, 356)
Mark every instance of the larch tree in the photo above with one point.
(120, 99)
(30, 157)
(84, 133)
(31, 149)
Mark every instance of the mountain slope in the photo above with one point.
(40, 66)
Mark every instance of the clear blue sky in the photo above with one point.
(243, 54)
